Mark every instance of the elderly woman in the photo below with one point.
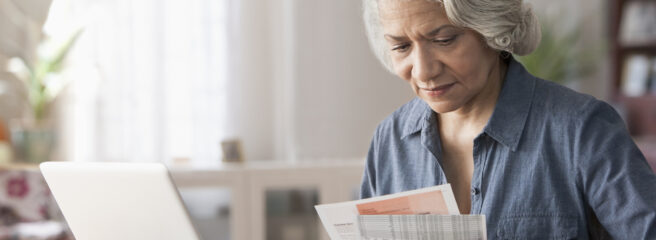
(538, 160)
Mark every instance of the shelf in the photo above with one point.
(648, 98)
(635, 0)
(637, 48)
(639, 112)
(19, 166)
(648, 44)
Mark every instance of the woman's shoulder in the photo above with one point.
(554, 94)
(564, 104)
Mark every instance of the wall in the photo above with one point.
(311, 89)
(251, 113)
(343, 91)
(592, 16)
(307, 86)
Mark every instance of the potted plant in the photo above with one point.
(34, 136)
(561, 57)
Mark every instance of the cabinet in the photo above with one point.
(640, 108)
(265, 200)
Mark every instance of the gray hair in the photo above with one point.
(507, 25)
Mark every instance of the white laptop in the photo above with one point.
(128, 201)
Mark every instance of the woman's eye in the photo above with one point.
(401, 48)
(444, 41)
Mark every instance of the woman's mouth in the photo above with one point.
(437, 91)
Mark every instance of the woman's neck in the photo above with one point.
(473, 116)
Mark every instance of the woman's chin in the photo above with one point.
(442, 106)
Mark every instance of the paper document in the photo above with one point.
(422, 227)
(341, 219)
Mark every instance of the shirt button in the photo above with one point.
(475, 191)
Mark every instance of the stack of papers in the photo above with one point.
(427, 213)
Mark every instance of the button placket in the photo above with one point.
(479, 149)
(474, 182)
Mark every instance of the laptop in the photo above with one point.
(129, 201)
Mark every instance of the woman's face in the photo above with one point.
(447, 66)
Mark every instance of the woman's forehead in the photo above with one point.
(398, 16)
(390, 10)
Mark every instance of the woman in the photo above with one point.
(539, 160)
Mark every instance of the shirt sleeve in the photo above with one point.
(368, 185)
(614, 176)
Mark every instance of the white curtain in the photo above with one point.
(150, 78)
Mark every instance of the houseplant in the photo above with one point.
(561, 56)
(34, 136)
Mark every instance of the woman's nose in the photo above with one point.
(426, 65)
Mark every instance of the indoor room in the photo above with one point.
(262, 109)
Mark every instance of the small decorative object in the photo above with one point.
(637, 24)
(26, 193)
(232, 150)
(181, 161)
(32, 61)
(635, 81)
(4, 134)
(34, 136)
(5, 150)
(33, 141)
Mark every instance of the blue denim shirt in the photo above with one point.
(551, 163)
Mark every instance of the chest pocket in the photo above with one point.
(537, 226)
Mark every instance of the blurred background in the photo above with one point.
(261, 109)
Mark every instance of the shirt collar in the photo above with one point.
(510, 113)
(417, 118)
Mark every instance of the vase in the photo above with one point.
(33, 141)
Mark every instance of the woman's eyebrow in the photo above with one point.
(428, 35)
(437, 30)
(395, 38)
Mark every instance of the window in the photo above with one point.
(149, 78)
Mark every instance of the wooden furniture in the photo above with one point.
(648, 147)
(639, 111)
(250, 185)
